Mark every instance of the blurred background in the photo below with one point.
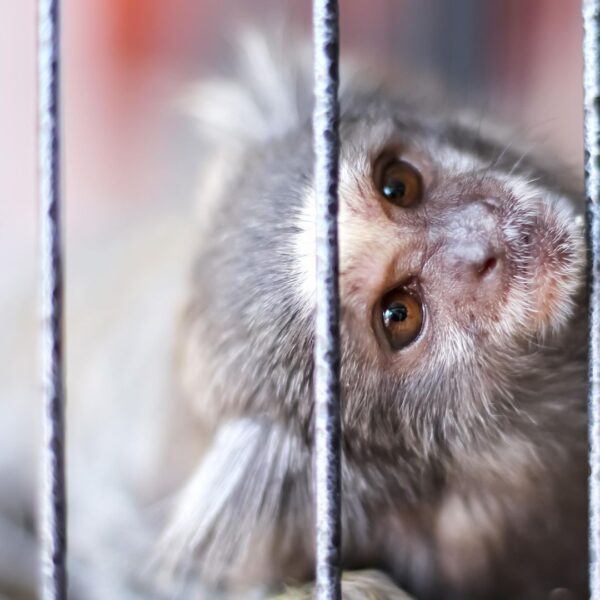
(125, 61)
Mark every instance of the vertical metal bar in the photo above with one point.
(327, 346)
(52, 526)
(591, 83)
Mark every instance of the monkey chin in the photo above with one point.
(545, 259)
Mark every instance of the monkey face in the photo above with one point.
(440, 244)
(456, 257)
(453, 264)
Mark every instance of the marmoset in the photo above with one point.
(463, 372)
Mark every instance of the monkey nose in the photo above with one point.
(473, 260)
(486, 267)
(475, 268)
(474, 253)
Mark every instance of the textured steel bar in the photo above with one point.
(327, 346)
(52, 524)
(591, 83)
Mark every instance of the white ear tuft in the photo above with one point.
(269, 93)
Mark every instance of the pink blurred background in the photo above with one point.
(124, 61)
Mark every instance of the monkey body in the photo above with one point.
(464, 456)
(463, 374)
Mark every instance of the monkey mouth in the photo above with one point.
(544, 254)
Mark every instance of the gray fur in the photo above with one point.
(464, 458)
(488, 429)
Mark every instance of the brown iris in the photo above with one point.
(398, 182)
(402, 317)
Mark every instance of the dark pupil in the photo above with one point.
(395, 313)
(394, 189)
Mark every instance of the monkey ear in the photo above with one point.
(268, 93)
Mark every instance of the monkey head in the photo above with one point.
(458, 257)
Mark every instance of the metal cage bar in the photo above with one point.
(327, 344)
(591, 84)
(52, 524)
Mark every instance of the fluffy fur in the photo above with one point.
(453, 451)
(464, 455)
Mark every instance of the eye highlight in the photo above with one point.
(401, 317)
(398, 182)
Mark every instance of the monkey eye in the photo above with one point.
(398, 182)
(402, 317)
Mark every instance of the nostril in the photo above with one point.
(488, 266)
